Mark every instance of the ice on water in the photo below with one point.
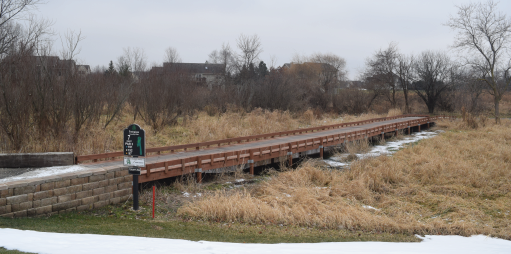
(388, 149)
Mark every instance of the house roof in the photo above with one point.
(87, 67)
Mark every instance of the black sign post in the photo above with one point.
(134, 155)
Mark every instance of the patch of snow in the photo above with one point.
(186, 195)
(59, 243)
(388, 149)
(333, 163)
(43, 172)
(240, 180)
(370, 207)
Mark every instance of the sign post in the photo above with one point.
(134, 155)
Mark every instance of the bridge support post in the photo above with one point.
(409, 130)
(428, 125)
(321, 149)
(382, 136)
(290, 154)
(198, 170)
(251, 162)
(419, 125)
(397, 132)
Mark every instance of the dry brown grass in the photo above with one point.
(394, 112)
(456, 183)
(203, 126)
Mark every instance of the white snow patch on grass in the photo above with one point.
(370, 207)
(186, 195)
(59, 243)
(43, 172)
(388, 149)
(333, 163)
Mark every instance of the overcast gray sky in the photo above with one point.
(351, 29)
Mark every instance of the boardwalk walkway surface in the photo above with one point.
(102, 180)
(200, 160)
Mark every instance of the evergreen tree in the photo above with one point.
(111, 69)
(262, 69)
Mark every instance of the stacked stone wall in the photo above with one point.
(78, 191)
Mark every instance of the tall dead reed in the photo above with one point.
(456, 183)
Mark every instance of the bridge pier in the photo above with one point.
(198, 170)
(251, 162)
(321, 149)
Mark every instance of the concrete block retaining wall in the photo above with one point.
(82, 190)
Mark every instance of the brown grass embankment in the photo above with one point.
(456, 183)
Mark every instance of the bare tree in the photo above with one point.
(12, 9)
(11, 32)
(434, 73)
(382, 68)
(250, 47)
(484, 33)
(405, 76)
(85, 92)
(15, 112)
(171, 55)
(134, 59)
(332, 70)
(37, 32)
(224, 56)
(131, 66)
(469, 88)
(70, 43)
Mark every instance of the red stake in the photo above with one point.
(154, 190)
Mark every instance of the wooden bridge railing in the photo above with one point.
(224, 142)
(171, 168)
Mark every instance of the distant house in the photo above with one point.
(54, 65)
(353, 84)
(202, 73)
(83, 69)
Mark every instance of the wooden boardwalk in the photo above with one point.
(250, 150)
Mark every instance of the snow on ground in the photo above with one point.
(370, 207)
(387, 149)
(43, 172)
(58, 243)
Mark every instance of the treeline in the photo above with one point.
(51, 96)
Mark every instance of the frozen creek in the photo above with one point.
(388, 149)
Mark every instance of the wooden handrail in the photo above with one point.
(211, 161)
(208, 144)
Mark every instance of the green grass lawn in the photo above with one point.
(119, 220)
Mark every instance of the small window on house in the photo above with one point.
(206, 67)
